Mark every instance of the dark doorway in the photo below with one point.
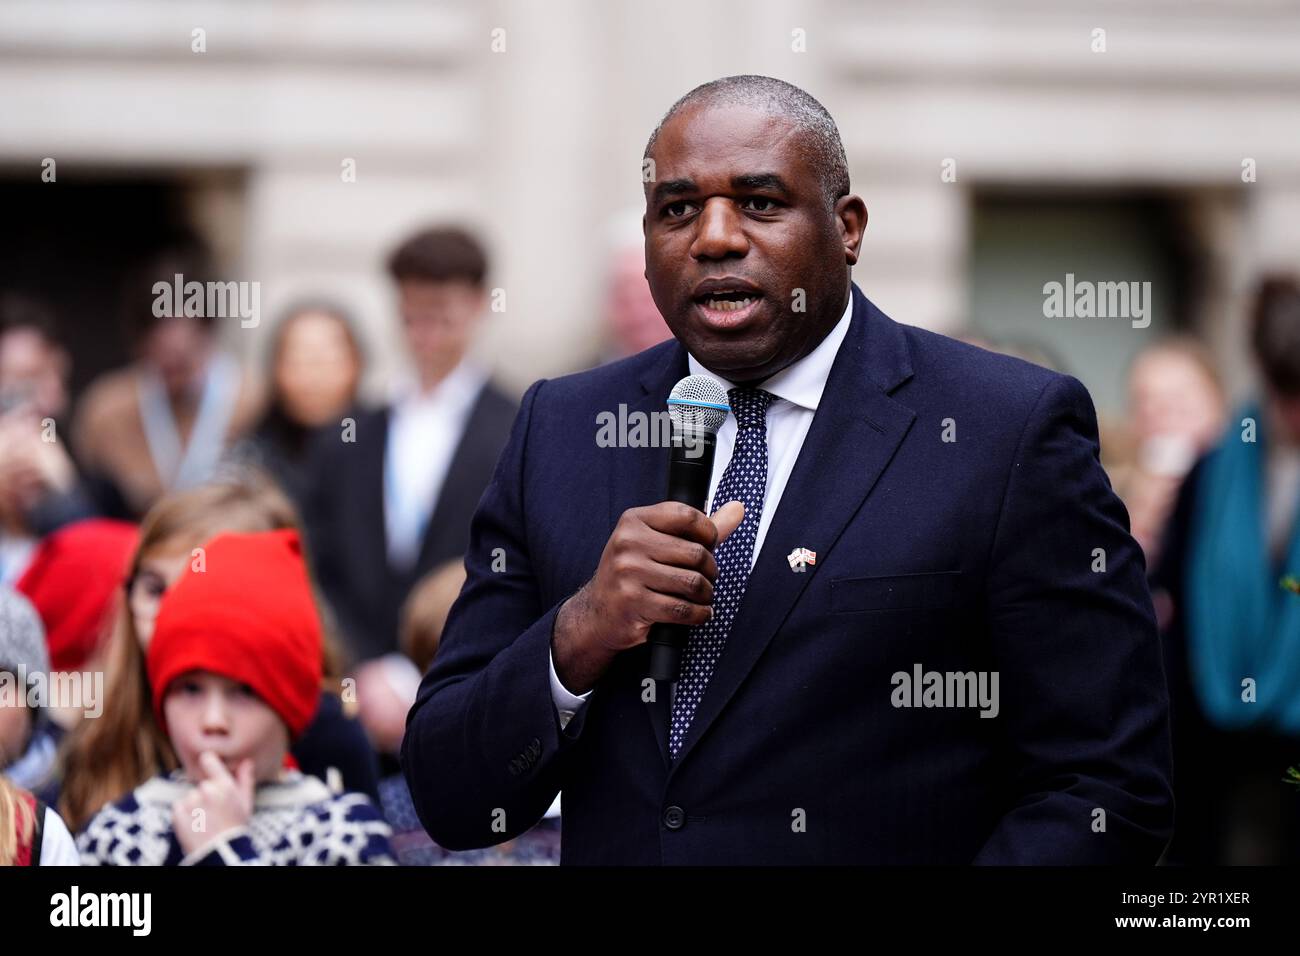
(72, 243)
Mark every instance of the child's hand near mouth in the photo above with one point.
(226, 802)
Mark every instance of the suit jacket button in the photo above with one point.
(674, 818)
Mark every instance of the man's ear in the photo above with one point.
(851, 216)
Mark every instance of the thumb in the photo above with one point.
(727, 519)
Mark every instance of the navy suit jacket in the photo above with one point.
(344, 515)
(966, 555)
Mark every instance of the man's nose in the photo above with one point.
(718, 231)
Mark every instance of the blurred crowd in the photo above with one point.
(258, 567)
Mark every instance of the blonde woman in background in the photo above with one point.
(1177, 410)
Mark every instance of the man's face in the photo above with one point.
(745, 258)
(33, 369)
(631, 312)
(177, 348)
(440, 319)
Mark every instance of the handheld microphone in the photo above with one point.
(697, 407)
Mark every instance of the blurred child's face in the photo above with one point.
(207, 711)
(159, 568)
(15, 721)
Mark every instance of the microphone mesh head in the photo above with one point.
(698, 401)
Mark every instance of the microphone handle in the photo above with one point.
(690, 468)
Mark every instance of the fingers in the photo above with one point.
(674, 552)
(680, 521)
(728, 518)
(181, 819)
(213, 769)
(679, 583)
(658, 568)
(665, 609)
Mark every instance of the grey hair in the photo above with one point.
(777, 98)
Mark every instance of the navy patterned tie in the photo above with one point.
(744, 480)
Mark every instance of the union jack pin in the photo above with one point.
(800, 558)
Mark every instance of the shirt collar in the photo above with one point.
(803, 382)
(460, 386)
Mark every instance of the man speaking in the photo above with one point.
(917, 629)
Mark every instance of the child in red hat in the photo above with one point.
(73, 580)
(235, 669)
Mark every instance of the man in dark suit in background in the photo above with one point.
(392, 503)
(920, 629)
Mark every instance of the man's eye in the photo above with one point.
(763, 204)
(675, 210)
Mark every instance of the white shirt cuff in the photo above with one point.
(567, 704)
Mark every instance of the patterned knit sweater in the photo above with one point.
(296, 821)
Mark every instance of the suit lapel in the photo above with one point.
(853, 436)
(640, 477)
(459, 494)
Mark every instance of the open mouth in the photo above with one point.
(727, 311)
(727, 301)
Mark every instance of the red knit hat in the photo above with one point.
(249, 615)
(72, 580)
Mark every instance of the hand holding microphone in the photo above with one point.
(656, 573)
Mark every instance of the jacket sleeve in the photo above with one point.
(1083, 691)
(483, 749)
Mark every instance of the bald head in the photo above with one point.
(750, 231)
(823, 150)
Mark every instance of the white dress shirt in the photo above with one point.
(424, 429)
(798, 390)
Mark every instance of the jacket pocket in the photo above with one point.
(931, 589)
